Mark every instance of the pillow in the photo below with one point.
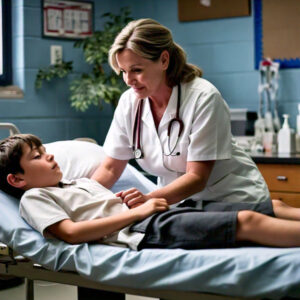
(76, 159)
(79, 159)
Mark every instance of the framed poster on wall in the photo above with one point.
(67, 19)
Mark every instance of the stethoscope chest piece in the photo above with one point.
(138, 153)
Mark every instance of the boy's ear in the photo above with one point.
(15, 181)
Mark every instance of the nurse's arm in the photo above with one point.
(193, 181)
(109, 171)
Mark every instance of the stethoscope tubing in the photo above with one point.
(137, 128)
(136, 140)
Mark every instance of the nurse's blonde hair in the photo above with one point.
(148, 39)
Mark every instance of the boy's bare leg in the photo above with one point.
(284, 211)
(265, 230)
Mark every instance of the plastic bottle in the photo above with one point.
(298, 131)
(286, 137)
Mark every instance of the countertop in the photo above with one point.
(275, 158)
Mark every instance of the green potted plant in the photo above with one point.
(101, 84)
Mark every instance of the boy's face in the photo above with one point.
(40, 168)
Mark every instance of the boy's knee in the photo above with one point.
(247, 221)
(246, 217)
(277, 203)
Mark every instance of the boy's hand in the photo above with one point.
(150, 207)
(133, 197)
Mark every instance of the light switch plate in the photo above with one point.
(56, 53)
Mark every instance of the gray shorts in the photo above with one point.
(186, 227)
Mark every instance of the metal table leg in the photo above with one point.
(29, 289)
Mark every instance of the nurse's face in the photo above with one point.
(146, 77)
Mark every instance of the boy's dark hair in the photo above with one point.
(11, 151)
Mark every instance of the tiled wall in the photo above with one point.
(47, 112)
(223, 48)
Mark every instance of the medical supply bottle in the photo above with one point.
(286, 137)
(297, 137)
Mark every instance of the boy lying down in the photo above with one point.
(82, 210)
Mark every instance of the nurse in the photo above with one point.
(175, 124)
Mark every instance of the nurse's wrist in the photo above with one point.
(148, 196)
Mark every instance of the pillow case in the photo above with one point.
(79, 159)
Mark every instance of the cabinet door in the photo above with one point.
(292, 199)
(281, 177)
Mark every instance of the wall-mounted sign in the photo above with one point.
(67, 19)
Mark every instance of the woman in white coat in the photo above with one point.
(175, 124)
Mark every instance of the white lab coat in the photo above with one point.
(206, 136)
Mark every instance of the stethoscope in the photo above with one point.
(136, 140)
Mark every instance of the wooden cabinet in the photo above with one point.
(283, 181)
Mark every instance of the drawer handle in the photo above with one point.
(282, 178)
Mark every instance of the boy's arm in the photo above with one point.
(91, 230)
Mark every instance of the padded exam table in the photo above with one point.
(238, 273)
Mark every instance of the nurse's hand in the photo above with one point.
(133, 197)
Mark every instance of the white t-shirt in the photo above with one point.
(206, 136)
(78, 200)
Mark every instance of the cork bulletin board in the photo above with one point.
(277, 32)
(192, 10)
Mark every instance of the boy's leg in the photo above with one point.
(189, 228)
(264, 207)
(284, 211)
(265, 230)
(271, 208)
(256, 222)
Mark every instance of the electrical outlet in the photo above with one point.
(56, 53)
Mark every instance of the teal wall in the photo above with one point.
(47, 112)
(223, 48)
